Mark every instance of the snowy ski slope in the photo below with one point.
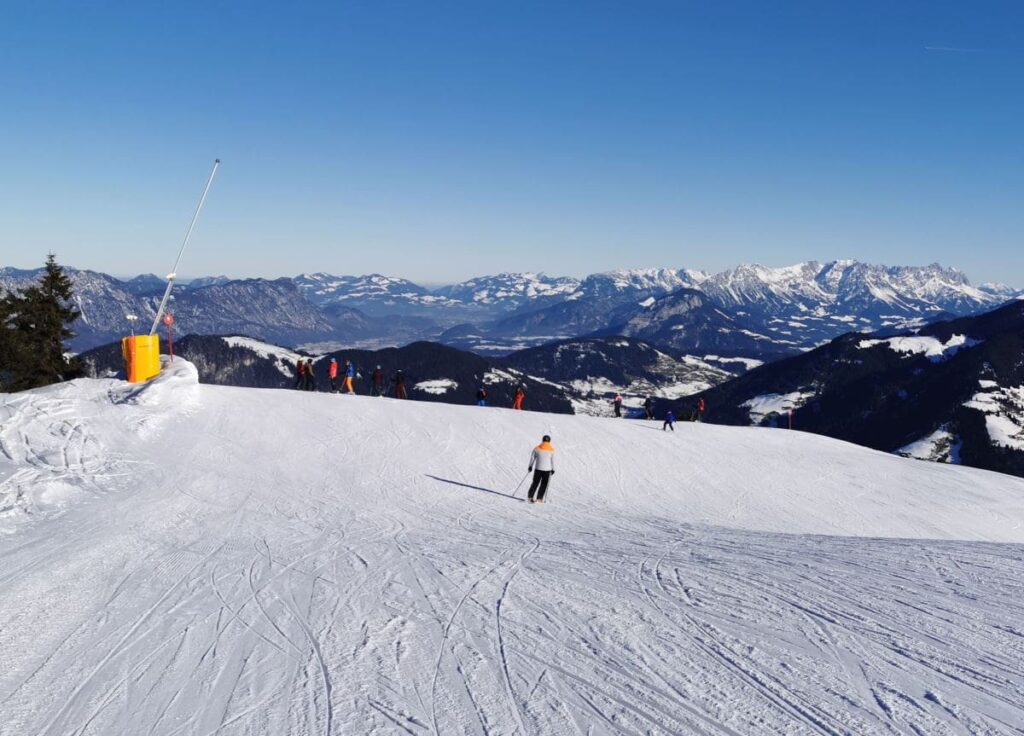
(186, 559)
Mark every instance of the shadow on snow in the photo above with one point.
(475, 488)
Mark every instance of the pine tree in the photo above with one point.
(37, 327)
(9, 339)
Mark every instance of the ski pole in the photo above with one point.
(520, 484)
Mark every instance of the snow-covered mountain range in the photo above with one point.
(753, 311)
(374, 294)
(509, 291)
(780, 310)
(880, 294)
(749, 311)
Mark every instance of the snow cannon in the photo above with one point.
(142, 352)
(141, 357)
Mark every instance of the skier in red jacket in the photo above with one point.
(332, 373)
(517, 403)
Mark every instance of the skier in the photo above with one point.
(350, 373)
(700, 409)
(332, 373)
(517, 403)
(617, 403)
(543, 458)
(310, 375)
(400, 385)
(378, 381)
(670, 421)
(300, 374)
(649, 408)
(481, 396)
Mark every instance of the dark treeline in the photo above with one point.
(34, 327)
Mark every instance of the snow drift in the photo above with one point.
(254, 561)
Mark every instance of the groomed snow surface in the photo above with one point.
(185, 559)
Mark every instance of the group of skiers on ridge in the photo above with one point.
(696, 415)
(517, 399)
(305, 379)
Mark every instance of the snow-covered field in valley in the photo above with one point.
(186, 559)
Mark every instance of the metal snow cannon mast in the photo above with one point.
(142, 352)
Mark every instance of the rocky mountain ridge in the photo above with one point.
(750, 311)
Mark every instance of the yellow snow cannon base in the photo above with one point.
(141, 357)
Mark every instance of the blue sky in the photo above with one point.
(441, 140)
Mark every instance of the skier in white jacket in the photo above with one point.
(543, 459)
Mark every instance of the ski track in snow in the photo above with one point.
(222, 574)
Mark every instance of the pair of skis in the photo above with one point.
(547, 491)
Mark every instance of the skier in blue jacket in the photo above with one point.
(350, 374)
(670, 421)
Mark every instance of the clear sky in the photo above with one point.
(441, 140)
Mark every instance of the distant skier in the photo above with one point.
(543, 459)
(700, 409)
(670, 421)
(649, 408)
(378, 381)
(517, 402)
(350, 374)
(310, 375)
(400, 385)
(617, 403)
(300, 374)
(481, 396)
(332, 374)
